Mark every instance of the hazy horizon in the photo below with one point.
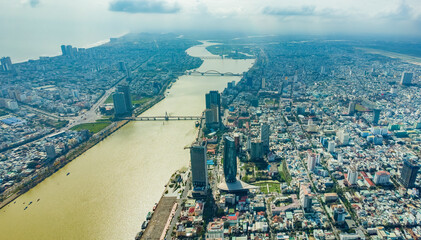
(38, 27)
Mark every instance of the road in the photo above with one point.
(93, 113)
(185, 192)
(317, 194)
(44, 113)
(178, 211)
(85, 117)
(356, 220)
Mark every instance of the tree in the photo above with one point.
(245, 179)
(32, 164)
(220, 212)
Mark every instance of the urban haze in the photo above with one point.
(210, 119)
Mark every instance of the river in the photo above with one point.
(113, 185)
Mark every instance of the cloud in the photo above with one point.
(402, 12)
(301, 11)
(143, 6)
(34, 3)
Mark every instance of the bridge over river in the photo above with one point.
(166, 117)
(212, 73)
(211, 57)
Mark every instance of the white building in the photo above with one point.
(340, 159)
(381, 177)
(352, 175)
(305, 197)
(331, 146)
(13, 105)
(351, 108)
(311, 161)
(379, 131)
(343, 137)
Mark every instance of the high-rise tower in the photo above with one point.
(409, 173)
(406, 78)
(198, 165)
(127, 99)
(264, 136)
(230, 159)
(213, 109)
(119, 101)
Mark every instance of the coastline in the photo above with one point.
(43, 173)
(56, 52)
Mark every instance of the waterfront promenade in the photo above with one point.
(159, 218)
(112, 186)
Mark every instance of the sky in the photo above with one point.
(30, 28)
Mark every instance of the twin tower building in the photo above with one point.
(198, 152)
(199, 163)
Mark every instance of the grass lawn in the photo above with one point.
(274, 186)
(60, 124)
(283, 170)
(103, 119)
(141, 101)
(92, 127)
(271, 101)
(109, 99)
(360, 108)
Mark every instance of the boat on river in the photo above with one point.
(149, 216)
(145, 224)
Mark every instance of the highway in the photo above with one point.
(42, 112)
(92, 114)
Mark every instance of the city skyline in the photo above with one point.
(35, 27)
(327, 121)
(210, 119)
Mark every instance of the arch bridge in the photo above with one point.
(212, 73)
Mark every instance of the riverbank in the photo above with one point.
(111, 187)
(43, 173)
(161, 227)
(166, 210)
(156, 228)
(31, 181)
(165, 215)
